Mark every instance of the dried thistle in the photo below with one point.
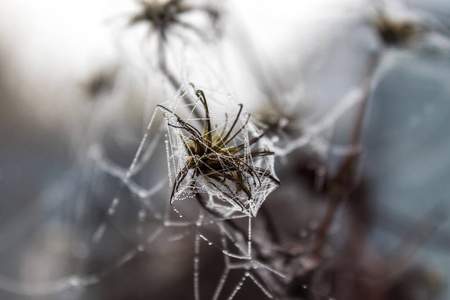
(164, 14)
(275, 120)
(222, 165)
(395, 32)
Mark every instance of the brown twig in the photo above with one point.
(342, 184)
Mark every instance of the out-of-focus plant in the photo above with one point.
(282, 216)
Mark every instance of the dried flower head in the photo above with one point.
(395, 32)
(275, 120)
(164, 14)
(226, 166)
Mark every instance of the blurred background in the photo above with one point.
(74, 85)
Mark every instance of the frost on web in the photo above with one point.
(216, 208)
(314, 133)
(217, 152)
(221, 171)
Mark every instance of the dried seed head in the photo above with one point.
(395, 32)
(274, 118)
(222, 162)
(162, 15)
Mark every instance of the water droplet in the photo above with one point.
(113, 206)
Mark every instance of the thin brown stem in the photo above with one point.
(176, 84)
(341, 186)
(325, 225)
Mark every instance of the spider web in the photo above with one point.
(228, 224)
(215, 220)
